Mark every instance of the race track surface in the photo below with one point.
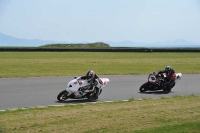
(43, 91)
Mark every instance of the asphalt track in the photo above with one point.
(43, 91)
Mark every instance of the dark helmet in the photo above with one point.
(168, 69)
(90, 75)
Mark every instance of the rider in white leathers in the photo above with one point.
(91, 78)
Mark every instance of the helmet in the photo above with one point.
(168, 69)
(90, 75)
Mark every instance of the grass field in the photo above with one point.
(164, 115)
(34, 64)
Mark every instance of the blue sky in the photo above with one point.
(145, 21)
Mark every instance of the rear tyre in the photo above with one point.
(62, 96)
(144, 87)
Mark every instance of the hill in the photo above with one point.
(166, 44)
(88, 45)
(6, 40)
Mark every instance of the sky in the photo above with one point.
(146, 21)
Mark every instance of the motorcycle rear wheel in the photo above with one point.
(144, 87)
(62, 96)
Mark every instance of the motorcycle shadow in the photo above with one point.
(156, 92)
(74, 101)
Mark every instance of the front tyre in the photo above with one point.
(91, 97)
(144, 87)
(173, 85)
(169, 88)
(62, 96)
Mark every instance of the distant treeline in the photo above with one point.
(92, 47)
(111, 49)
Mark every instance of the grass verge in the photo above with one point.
(176, 114)
(36, 64)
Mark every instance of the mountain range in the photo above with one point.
(6, 40)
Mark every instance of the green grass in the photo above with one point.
(175, 115)
(188, 127)
(35, 64)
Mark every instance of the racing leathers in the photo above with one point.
(170, 77)
(93, 83)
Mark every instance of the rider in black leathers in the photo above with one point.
(170, 76)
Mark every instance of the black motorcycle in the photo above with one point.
(158, 83)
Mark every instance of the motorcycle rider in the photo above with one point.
(91, 78)
(170, 76)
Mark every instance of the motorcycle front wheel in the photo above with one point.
(91, 97)
(144, 87)
(169, 88)
(62, 96)
(173, 85)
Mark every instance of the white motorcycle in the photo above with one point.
(79, 88)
